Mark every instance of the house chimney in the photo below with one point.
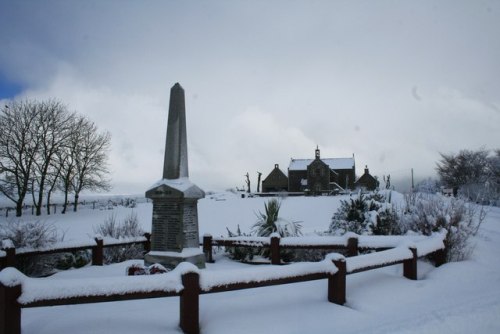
(366, 170)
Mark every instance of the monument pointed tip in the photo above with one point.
(177, 86)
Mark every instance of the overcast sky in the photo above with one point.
(394, 82)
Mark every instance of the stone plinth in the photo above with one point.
(174, 234)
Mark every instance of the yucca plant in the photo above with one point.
(269, 222)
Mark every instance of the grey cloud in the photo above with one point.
(399, 80)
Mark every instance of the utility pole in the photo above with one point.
(412, 184)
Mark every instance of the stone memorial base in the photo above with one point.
(171, 259)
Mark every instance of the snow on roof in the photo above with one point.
(333, 163)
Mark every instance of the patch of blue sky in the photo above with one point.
(9, 89)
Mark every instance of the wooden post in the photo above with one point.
(207, 248)
(147, 243)
(97, 253)
(337, 283)
(352, 246)
(410, 266)
(10, 310)
(275, 250)
(190, 304)
(10, 259)
(439, 257)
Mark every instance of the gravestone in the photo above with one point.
(174, 233)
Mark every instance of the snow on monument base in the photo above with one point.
(170, 260)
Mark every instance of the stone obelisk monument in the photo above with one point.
(174, 233)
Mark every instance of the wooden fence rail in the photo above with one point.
(274, 246)
(12, 255)
(351, 244)
(11, 287)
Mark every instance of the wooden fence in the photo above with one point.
(352, 244)
(195, 282)
(12, 255)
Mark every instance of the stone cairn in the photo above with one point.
(175, 233)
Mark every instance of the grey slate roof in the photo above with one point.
(333, 163)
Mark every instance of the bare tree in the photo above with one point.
(387, 181)
(248, 182)
(19, 144)
(66, 158)
(53, 123)
(494, 172)
(259, 175)
(90, 159)
(43, 146)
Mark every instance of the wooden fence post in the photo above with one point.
(352, 246)
(275, 250)
(10, 310)
(336, 283)
(97, 253)
(439, 257)
(207, 248)
(410, 266)
(190, 303)
(147, 243)
(10, 259)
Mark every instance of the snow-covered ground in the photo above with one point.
(459, 297)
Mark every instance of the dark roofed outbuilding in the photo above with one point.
(276, 181)
(367, 181)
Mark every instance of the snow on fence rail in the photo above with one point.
(18, 291)
(350, 242)
(9, 254)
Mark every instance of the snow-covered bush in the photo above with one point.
(386, 221)
(240, 253)
(128, 228)
(33, 234)
(425, 213)
(358, 215)
(75, 259)
(372, 214)
(129, 203)
(387, 218)
(428, 186)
